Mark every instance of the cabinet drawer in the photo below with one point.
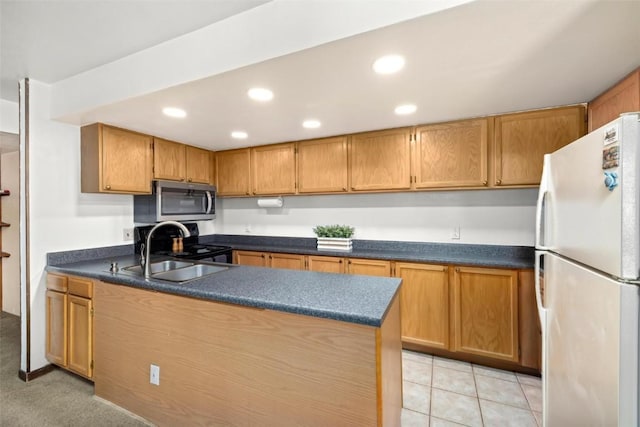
(80, 287)
(56, 283)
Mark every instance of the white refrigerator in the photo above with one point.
(587, 272)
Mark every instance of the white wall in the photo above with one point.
(500, 217)
(61, 217)
(8, 116)
(9, 177)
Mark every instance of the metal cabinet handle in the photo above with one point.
(108, 187)
(498, 181)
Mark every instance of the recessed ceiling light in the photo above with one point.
(238, 134)
(174, 112)
(260, 94)
(405, 109)
(388, 64)
(311, 124)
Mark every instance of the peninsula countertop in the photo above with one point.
(350, 298)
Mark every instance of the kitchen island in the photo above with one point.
(247, 346)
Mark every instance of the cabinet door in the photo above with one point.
(233, 170)
(256, 259)
(198, 163)
(529, 330)
(369, 267)
(168, 160)
(273, 168)
(485, 312)
(381, 160)
(126, 161)
(80, 336)
(56, 340)
(451, 155)
(424, 304)
(624, 97)
(325, 264)
(322, 165)
(521, 141)
(289, 261)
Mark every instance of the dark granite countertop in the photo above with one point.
(350, 298)
(518, 257)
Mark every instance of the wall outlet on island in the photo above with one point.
(455, 233)
(127, 234)
(154, 374)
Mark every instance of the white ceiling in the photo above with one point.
(480, 58)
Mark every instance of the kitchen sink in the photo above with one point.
(159, 267)
(176, 271)
(189, 273)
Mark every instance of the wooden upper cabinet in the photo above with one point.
(424, 304)
(233, 171)
(273, 169)
(323, 166)
(179, 162)
(198, 165)
(369, 267)
(381, 160)
(115, 160)
(624, 97)
(485, 312)
(168, 160)
(213, 169)
(451, 154)
(521, 140)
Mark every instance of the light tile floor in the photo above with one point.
(444, 392)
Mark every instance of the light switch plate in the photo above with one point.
(154, 374)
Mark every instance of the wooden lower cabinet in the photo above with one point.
(69, 316)
(289, 261)
(485, 312)
(369, 267)
(326, 264)
(424, 304)
(80, 336)
(56, 314)
(484, 315)
(267, 259)
(251, 258)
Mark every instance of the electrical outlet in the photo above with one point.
(154, 374)
(127, 234)
(247, 228)
(455, 233)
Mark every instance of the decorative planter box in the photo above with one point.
(334, 244)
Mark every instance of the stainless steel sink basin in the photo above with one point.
(189, 273)
(159, 267)
(176, 271)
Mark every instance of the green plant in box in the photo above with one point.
(341, 231)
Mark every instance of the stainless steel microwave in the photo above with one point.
(176, 201)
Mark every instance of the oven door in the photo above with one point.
(185, 202)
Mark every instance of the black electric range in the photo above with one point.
(162, 243)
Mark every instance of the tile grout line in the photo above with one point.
(475, 384)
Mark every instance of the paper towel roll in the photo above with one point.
(270, 203)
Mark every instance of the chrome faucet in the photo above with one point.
(145, 253)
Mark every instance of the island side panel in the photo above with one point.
(389, 344)
(223, 364)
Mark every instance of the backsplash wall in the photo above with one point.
(498, 217)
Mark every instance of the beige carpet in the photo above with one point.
(55, 399)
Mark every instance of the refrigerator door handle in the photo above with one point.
(542, 194)
(542, 312)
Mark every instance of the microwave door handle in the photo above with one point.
(209, 202)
